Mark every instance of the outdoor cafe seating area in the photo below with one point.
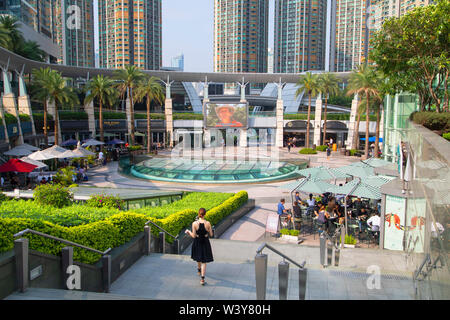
(26, 166)
(348, 196)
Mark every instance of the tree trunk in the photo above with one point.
(56, 123)
(132, 116)
(325, 121)
(356, 134)
(366, 149)
(45, 124)
(308, 124)
(149, 133)
(377, 133)
(100, 119)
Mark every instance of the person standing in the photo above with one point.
(328, 152)
(201, 247)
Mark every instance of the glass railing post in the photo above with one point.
(283, 279)
(106, 270)
(302, 277)
(162, 242)
(261, 276)
(21, 256)
(66, 261)
(147, 239)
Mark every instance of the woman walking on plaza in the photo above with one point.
(201, 248)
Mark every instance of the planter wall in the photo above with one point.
(122, 258)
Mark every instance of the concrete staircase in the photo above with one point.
(232, 276)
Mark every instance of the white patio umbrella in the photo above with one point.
(53, 152)
(92, 142)
(39, 164)
(29, 146)
(18, 152)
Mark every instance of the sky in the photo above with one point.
(188, 28)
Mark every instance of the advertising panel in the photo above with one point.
(226, 115)
(394, 222)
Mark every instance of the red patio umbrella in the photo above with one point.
(17, 165)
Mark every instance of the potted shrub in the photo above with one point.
(289, 235)
(349, 241)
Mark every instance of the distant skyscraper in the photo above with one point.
(178, 62)
(75, 32)
(300, 35)
(356, 22)
(63, 29)
(241, 35)
(352, 35)
(270, 60)
(130, 33)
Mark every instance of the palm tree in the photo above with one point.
(4, 36)
(328, 85)
(362, 82)
(308, 83)
(41, 82)
(149, 88)
(59, 94)
(10, 25)
(30, 50)
(103, 90)
(129, 78)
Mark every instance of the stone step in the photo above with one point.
(58, 294)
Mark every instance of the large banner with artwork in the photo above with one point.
(226, 115)
(394, 222)
(415, 225)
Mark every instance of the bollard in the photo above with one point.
(323, 243)
(283, 279)
(66, 260)
(176, 246)
(302, 277)
(162, 242)
(21, 253)
(106, 270)
(147, 239)
(336, 257)
(329, 253)
(261, 276)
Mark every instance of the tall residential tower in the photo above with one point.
(300, 35)
(241, 35)
(130, 33)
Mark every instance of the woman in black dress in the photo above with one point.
(201, 248)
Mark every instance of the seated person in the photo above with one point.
(43, 180)
(297, 210)
(362, 216)
(321, 215)
(297, 197)
(374, 222)
(311, 202)
(282, 211)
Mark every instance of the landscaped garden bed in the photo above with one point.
(106, 227)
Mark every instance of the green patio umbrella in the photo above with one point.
(323, 173)
(359, 189)
(308, 185)
(377, 181)
(375, 162)
(357, 169)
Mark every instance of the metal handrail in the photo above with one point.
(265, 245)
(23, 232)
(429, 265)
(163, 230)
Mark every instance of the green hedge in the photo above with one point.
(307, 151)
(111, 232)
(24, 117)
(446, 135)
(322, 148)
(40, 117)
(72, 115)
(432, 120)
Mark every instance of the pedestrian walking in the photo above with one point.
(328, 152)
(289, 147)
(201, 247)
